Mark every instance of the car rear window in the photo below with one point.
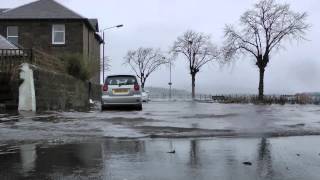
(121, 80)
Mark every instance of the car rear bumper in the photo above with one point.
(145, 99)
(121, 100)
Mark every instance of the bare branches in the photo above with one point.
(106, 63)
(144, 61)
(264, 28)
(197, 49)
(235, 41)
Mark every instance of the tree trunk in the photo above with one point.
(261, 84)
(142, 80)
(193, 84)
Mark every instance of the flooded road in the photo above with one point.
(290, 158)
(210, 141)
(165, 120)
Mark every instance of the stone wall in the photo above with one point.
(95, 92)
(37, 35)
(91, 51)
(55, 91)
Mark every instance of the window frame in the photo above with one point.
(10, 36)
(59, 31)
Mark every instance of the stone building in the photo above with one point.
(50, 27)
(33, 37)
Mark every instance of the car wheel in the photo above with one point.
(139, 107)
(104, 107)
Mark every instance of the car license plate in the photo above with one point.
(120, 91)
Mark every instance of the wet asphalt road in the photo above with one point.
(211, 141)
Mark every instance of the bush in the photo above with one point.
(79, 67)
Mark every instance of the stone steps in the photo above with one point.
(8, 106)
(7, 101)
(5, 92)
(11, 105)
(4, 78)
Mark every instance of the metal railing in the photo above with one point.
(268, 99)
(243, 99)
(10, 59)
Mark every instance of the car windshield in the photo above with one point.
(121, 80)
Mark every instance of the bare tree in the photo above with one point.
(198, 50)
(106, 64)
(263, 30)
(144, 61)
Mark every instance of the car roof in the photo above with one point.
(121, 75)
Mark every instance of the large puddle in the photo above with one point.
(286, 158)
(122, 145)
(166, 120)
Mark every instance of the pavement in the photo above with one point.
(205, 141)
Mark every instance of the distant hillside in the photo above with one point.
(159, 92)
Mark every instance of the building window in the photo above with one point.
(12, 34)
(58, 34)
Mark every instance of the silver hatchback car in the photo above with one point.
(121, 90)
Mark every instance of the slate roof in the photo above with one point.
(94, 24)
(3, 9)
(5, 44)
(44, 10)
(41, 9)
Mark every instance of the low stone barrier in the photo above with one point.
(54, 91)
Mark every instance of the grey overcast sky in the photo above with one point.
(157, 23)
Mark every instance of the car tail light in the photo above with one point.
(136, 87)
(105, 87)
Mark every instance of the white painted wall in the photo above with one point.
(27, 99)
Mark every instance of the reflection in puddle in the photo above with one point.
(28, 157)
(264, 160)
(273, 158)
